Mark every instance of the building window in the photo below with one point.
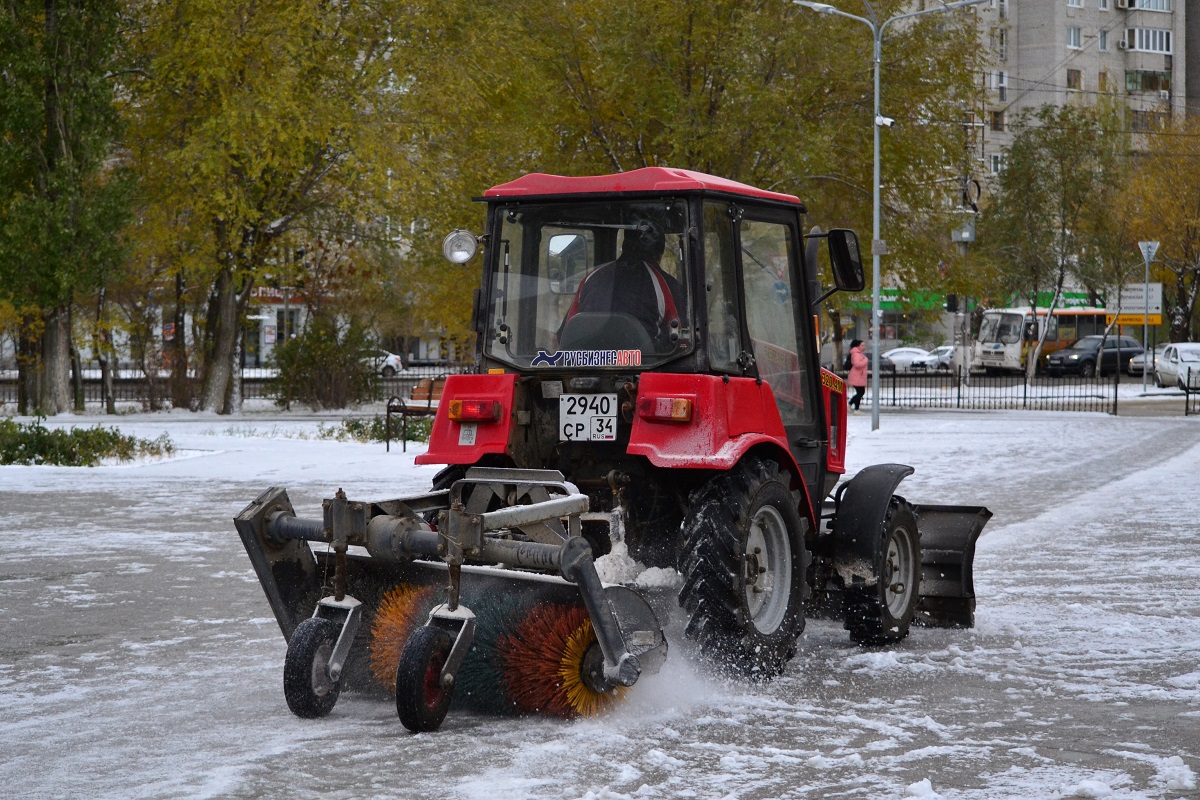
(997, 164)
(998, 121)
(1003, 9)
(1144, 80)
(1143, 121)
(1152, 5)
(1150, 40)
(1074, 79)
(1102, 81)
(1002, 45)
(1104, 5)
(1103, 40)
(1074, 38)
(1075, 3)
(1000, 84)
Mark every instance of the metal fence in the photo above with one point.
(132, 386)
(941, 389)
(961, 389)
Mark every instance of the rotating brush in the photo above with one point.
(527, 655)
(543, 663)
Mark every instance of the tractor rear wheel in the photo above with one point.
(421, 700)
(882, 613)
(306, 684)
(743, 562)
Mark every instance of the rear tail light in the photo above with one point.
(665, 409)
(475, 410)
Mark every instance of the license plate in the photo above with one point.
(587, 417)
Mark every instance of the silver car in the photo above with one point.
(1179, 366)
(1138, 363)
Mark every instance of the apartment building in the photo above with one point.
(1062, 51)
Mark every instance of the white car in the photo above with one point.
(944, 356)
(908, 359)
(1179, 366)
(386, 364)
(1138, 363)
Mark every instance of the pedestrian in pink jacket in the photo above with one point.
(858, 373)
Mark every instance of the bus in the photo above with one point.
(1008, 335)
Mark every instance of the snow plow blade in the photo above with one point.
(948, 537)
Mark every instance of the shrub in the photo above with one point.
(374, 429)
(33, 443)
(327, 366)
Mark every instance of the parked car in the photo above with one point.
(1086, 356)
(1179, 366)
(907, 359)
(1137, 364)
(944, 356)
(386, 364)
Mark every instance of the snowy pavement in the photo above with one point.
(139, 657)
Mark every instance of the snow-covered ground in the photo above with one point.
(139, 657)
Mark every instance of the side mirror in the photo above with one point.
(846, 260)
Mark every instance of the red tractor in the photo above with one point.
(647, 375)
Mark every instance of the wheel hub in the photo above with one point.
(897, 570)
(321, 684)
(767, 570)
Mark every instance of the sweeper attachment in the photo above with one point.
(540, 633)
(647, 374)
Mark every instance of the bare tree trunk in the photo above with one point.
(77, 380)
(54, 391)
(181, 394)
(27, 365)
(222, 346)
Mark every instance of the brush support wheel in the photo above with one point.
(421, 699)
(307, 687)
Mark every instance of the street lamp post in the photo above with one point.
(878, 246)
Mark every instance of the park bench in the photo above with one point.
(422, 401)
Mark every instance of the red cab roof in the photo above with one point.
(648, 179)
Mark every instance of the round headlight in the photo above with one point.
(459, 246)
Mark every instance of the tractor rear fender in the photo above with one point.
(466, 441)
(730, 418)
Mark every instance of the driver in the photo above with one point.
(634, 284)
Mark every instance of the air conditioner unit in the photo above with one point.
(1122, 44)
(1126, 4)
(1164, 94)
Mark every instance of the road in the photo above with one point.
(140, 659)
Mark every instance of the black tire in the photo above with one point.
(306, 685)
(388, 371)
(1088, 369)
(1157, 379)
(744, 563)
(882, 613)
(421, 700)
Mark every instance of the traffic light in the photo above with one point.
(952, 303)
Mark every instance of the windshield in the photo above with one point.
(1004, 328)
(589, 284)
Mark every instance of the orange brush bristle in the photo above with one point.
(401, 611)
